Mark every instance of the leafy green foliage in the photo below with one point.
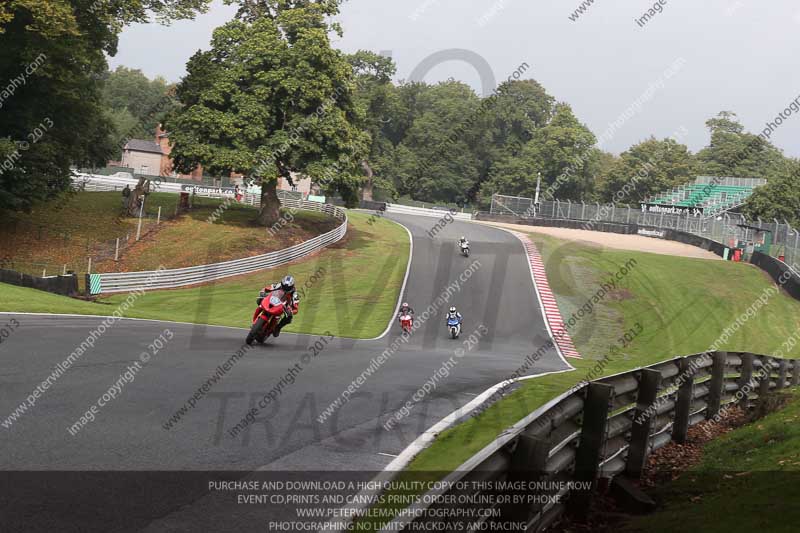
(734, 152)
(649, 167)
(136, 103)
(562, 150)
(779, 198)
(271, 98)
(55, 115)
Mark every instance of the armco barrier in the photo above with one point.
(778, 270)
(65, 285)
(600, 430)
(421, 211)
(183, 277)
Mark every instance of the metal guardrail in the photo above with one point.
(182, 277)
(597, 431)
(425, 212)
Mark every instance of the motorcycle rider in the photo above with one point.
(462, 242)
(290, 299)
(405, 309)
(453, 313)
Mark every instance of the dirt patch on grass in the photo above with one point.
(617, 241)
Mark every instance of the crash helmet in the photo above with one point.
(287, 283)
(453, 310)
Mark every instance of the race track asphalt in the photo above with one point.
(128, 440)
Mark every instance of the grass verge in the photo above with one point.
(748, 480)
(350, 289)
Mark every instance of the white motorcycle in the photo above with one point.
(464, 248)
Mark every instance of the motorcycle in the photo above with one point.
(406, 321)
(454, 325)
(465, 249)
(267, 316)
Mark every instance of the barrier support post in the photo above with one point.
(781, 374)
(593, 436)
(683, 405)
(746, 374)
(763, 386)
(649, 383)
(796, 373)
(527, 466)
(716, 384)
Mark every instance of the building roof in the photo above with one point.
(139, 145)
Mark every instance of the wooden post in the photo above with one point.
(763, 386)
(64, 272)
(527, 466)
(158, 221)
(716, 385)
(683, 406)
(593, 436)
(781, 374)
(139, 226)
(89, 268)
(649, 383)
(746, 374)
(116, 250)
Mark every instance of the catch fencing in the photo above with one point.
(725, 228)
(182, 277)
(600, 430)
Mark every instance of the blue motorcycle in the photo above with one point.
(454, 325)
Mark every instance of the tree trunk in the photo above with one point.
(270, 204)
(366, 192)
(137, 192)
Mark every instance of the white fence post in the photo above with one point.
(139, 227)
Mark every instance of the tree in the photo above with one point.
(509, 118)
(378, 99)
(647, 168)
(779, 198)
(146, 101)
(562, 151)
(272, 98)
(55, 50)
(734, 152)
(439, 160)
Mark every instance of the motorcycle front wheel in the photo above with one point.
(255, 331)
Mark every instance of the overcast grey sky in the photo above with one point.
(740, 55)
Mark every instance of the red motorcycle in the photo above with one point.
(406, 322)
(268, 314)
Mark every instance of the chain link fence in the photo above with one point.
(726, 228)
